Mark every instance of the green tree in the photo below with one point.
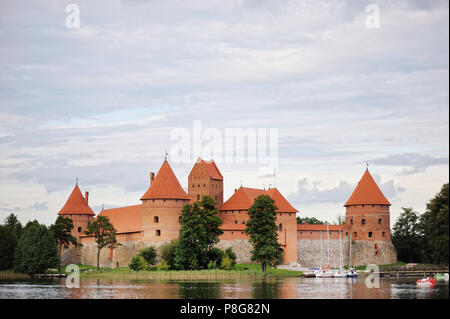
(215, 256)
(14, 225)
(149, 254)
(226, 262)
(199, 232)
(435, 228)
(262, 230)
(406, 236)
(104, 234)
(168, 251)
(8, 245)
(62, 231)
(36, 250)
(310, 220)
(230, 253)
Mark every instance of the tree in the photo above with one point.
(435, 228)
(230, 253)
(138, 263)
(62, 230)
(215, 256)
(14, 225)
(104, 234)
(406, 236)
(262, 230)
(310, 220)
(149, 255)
(340, 220)
(168, 251)
(226, 263)
(199, 232)
(7, 247)
(36, 250)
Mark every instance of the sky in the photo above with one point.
(342, 83)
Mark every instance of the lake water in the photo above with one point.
(282, 288)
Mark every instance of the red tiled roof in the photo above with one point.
(367, 192)
(319, 227)
(125, 219)
(212, 169)
(76, 204)
(165, 185)
(244, 197)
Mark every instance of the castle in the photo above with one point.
(365, 237)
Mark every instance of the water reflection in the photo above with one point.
(282, 288)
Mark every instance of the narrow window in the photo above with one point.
(351, 221)
(156, 219)
(376, 247)
(235, 221)
(198, 196)
(370, 234)
(346, 233)
(280, 227)
(383, 234)
(79, 229)
(379, 221)
(158, 232)
(355, 234)
(363, 221)
(215, 197)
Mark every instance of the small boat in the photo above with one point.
(311, 273)
(441, 277)
(340, 274)
(426, 282)
(324, 273)
(352, 273)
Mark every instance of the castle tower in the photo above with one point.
(77, 208)
(161, 206)
(368, 219)
(205, 179)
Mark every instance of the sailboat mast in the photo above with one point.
(340, 251)
(350, 251)
(328, 246)
(321, 249)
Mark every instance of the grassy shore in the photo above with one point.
(11, 275)
(248, 271)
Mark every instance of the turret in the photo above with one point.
(205, 179)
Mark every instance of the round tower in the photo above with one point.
(161, 206)
(77, 208)
(368, 219)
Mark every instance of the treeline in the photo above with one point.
(424, 238)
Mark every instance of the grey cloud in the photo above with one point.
(308, 192)
(415, 162)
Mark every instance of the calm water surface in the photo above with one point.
(283, 288)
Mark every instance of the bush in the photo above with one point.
(215, 256)
(230, 253)
(163, 266)
(149, 255)
(168, 253)
(138, 263)
(226, 262)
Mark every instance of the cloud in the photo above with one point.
(309, 193)
(415, 162)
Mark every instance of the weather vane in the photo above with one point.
(165, 155)
(76, 180)
(367, 165)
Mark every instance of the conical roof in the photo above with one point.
(367, 192)
(165, 185)
(76, 204)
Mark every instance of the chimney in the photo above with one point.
(86, 197)
(152, 177)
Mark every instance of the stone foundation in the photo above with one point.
(241, 248)
(364, 253)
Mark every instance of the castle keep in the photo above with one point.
(365, 235)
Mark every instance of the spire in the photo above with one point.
(165, 185)
(367, 192)
(76, 204)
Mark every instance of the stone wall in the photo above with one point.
(241, 248)
(363, 252)
(309, 252)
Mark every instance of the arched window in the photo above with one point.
(355, 234)
(156, 219)
(198, 196)
(370, 234)
(363, 221)
(79, 229)
(379, 221)
(383, 234)
(351, 221)
(235, 221)
(280, 227)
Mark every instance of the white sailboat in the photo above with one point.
(351, 272)
(325, 272)
(340, 273)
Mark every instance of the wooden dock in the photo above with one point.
(50, 275)
(413, 271)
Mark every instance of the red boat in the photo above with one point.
(427, 282)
